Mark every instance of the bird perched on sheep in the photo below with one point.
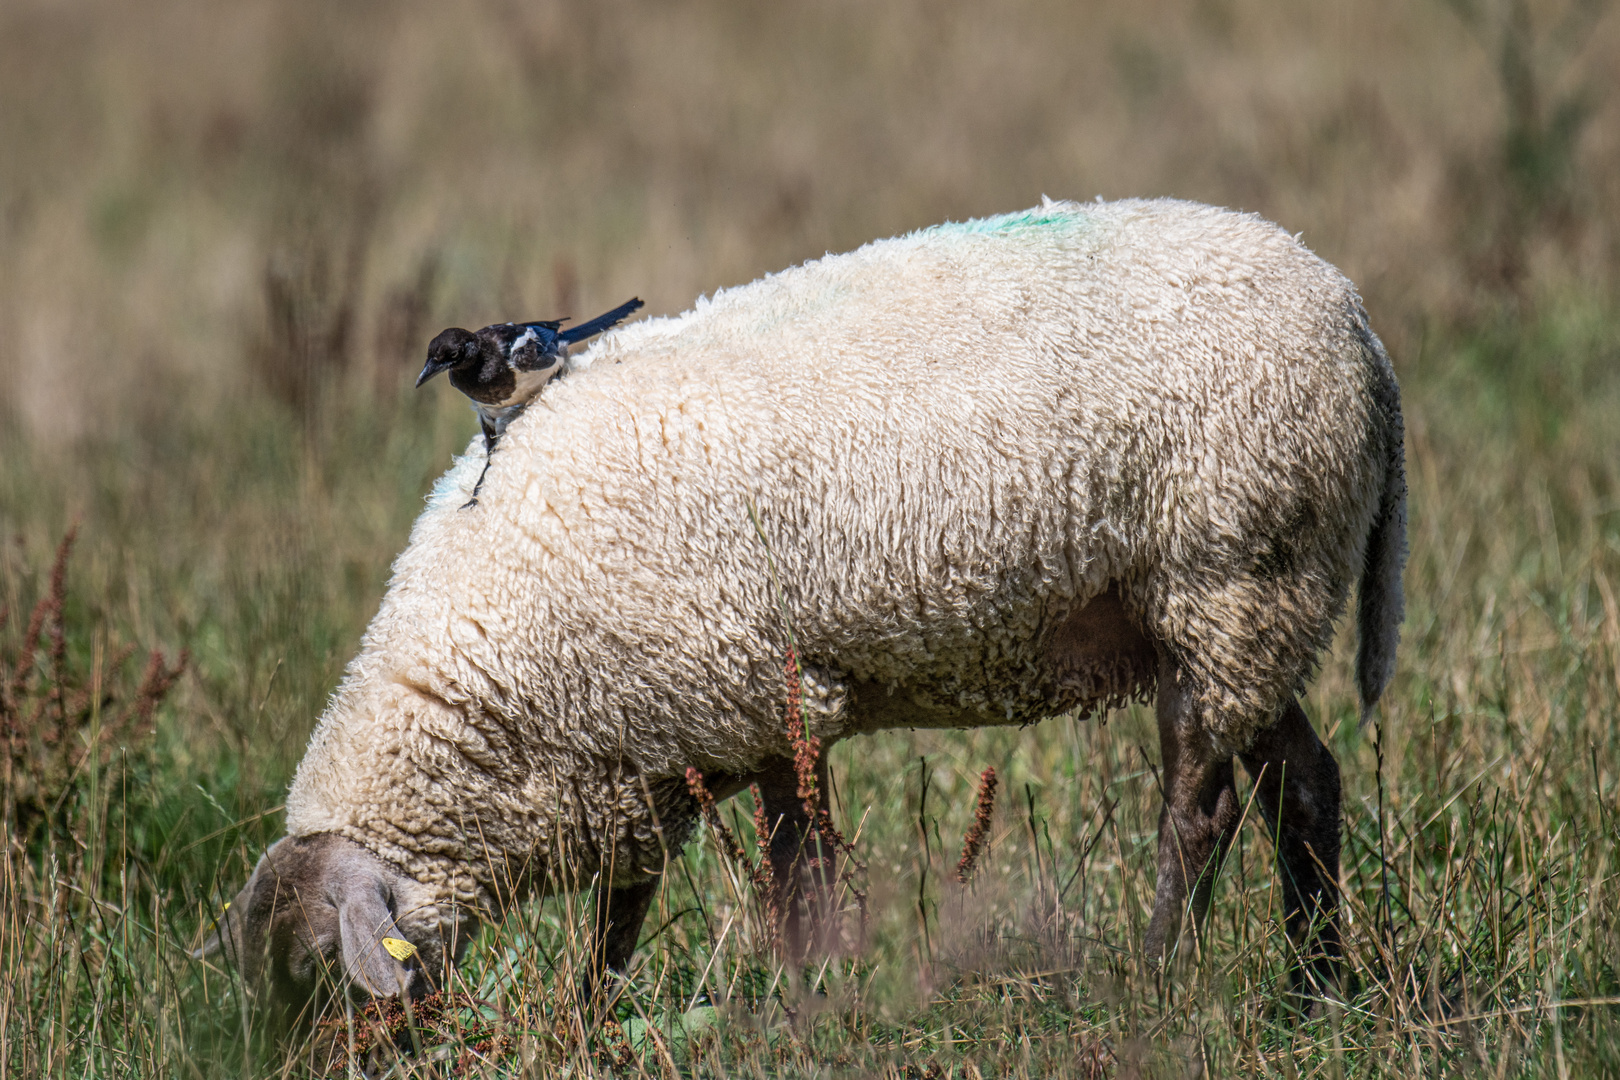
(986, 473)
(504, 366)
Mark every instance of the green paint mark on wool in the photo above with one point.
(1001, 224)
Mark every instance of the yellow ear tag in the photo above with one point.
(399, 948)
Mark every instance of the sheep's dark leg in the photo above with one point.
(619, 914)
(1199, 816)
(803, 866)
(1297, 790)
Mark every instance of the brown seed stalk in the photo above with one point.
(974, 842)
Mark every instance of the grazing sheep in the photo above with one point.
(982, 474)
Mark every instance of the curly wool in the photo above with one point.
(916, 460)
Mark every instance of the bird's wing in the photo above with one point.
(600, 323)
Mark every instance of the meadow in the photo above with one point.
(227, 233)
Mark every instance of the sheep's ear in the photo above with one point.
(373, 947)
(226, 935)
(214, 942)
(322, 902)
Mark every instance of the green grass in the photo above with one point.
(233, 227)
(260, 544)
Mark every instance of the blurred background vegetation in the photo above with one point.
(228, 230)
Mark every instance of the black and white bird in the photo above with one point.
(503, 366)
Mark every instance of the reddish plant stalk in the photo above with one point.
(58, 626)
(974, 842)
(806, 747)
(155, 684)
(728, 840)
(48, 708)
(806, 758)
(766, 872)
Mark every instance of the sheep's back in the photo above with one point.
(946, 440)
(912, 461)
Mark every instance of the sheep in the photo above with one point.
(985, 473)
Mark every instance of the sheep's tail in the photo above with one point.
(1381, 603)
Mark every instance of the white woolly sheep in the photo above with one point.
(1006, 469)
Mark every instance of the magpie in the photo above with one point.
(504, 365)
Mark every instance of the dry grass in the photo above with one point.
(215, 199)
(227, 231)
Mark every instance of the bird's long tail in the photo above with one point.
(600, 323)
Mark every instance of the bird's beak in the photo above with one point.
(432, 368)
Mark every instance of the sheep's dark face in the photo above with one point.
(322, 911)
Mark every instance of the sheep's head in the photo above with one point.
(323, 911)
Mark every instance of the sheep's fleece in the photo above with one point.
(917, 459)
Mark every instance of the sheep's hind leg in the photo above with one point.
(619, 914)
(1297, 790)
(1199, 816)
(803, 868)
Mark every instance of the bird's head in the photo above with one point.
(454, 348)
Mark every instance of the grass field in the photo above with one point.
(235, 229)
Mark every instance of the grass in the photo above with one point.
(1479, 872)
(236, 227)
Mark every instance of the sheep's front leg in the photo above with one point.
(1297, 789)
(1199, 816)
(803, 866)
(619, 915)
